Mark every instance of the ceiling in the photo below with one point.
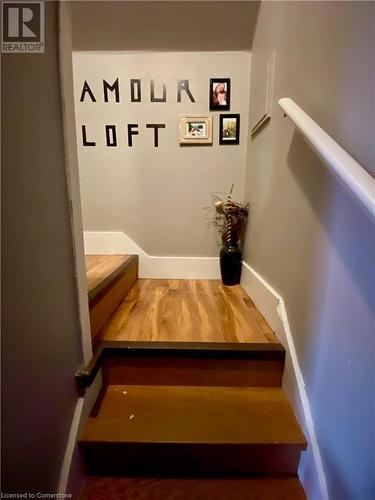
(169, 25)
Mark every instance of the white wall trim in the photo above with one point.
(72, 174)
(272, 306)
(69, 450)
(72, 177)
(151, 266)
(81, 413)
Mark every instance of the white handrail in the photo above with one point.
(354, 177)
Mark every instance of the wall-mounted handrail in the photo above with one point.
(354, 177)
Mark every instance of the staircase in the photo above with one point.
(191, 421)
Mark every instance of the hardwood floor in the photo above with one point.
(191, 407)
(99, 267)
(187, 311)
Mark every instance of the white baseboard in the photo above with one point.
(81, 413)
(150, 266)
(272, 307)
(71, 443)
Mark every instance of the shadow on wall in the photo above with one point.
(129, 25)
(339, 346)
(346, 224)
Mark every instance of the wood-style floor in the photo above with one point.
(187, 311)
(100, 267)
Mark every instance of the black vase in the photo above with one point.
(230, 263)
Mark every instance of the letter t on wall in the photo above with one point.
(156, 127)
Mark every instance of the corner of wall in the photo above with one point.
(72, 174)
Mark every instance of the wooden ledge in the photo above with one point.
(96, 292)
(265, 351)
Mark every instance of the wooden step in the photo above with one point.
(115, 488)
(189, 363)
(192, 430)
(109, 279)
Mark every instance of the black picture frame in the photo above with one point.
(228, 137)
(214, 104)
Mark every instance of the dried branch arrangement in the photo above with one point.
(229, 217)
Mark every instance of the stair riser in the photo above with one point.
(192, 371)
(187, 459)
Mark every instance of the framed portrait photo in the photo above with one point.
(219, 94)
(229, 129)
(195, 129)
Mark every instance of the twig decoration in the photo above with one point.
(229, 217)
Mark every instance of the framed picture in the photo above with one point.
(219, 94)
(195, 129)
(229, 132)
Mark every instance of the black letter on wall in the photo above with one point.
(184, 85)
(87, 89)
(132, 132)
(111, 141)
(84, 138)
(156, 127)
(158, 99)
(135, 96)
(114, 87)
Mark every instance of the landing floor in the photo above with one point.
(187, 311)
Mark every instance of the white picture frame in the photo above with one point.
(195, 129)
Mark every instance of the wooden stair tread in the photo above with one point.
(199, 415)
(102, 269)
(115, 488)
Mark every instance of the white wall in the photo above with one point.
(156, 195)
(308, 237)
